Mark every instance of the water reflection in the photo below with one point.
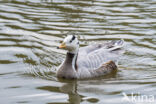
(70, 88)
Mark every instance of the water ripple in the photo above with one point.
(30, 31)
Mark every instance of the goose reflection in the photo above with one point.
(70, 88)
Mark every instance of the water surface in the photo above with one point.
(30, 31)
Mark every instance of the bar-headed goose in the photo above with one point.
(90, 61)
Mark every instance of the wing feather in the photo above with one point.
(93, 57)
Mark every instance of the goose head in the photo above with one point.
(70, 43)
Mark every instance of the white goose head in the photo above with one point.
(70, 43)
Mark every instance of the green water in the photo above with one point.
(30, 31)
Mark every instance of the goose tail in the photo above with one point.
(117, 45)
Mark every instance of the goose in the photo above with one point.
(89, 61)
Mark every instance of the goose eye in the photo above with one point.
(70, 41)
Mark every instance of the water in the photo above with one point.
(30, 31)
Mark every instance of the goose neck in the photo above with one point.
(71, 60)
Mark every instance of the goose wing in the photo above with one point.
(112, 45)
(93, 57)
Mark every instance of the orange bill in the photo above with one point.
(63, 45)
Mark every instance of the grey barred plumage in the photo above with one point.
(90, 61)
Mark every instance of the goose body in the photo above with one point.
(90, 61)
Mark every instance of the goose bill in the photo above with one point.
(63, 45)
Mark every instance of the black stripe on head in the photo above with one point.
(73, 38)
